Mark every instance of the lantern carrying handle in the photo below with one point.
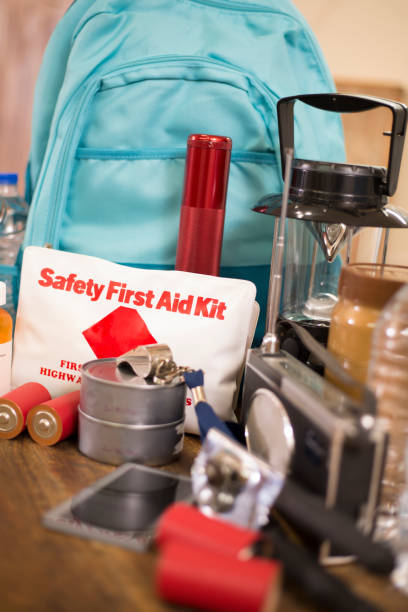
(346, 103)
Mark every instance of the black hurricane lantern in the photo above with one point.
(335, 200)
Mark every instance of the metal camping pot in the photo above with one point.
(128, 418)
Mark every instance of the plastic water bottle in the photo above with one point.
(388, 377)
(13, 217)
(400, 574)
(6, 337)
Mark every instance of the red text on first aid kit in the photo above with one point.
(118, 291)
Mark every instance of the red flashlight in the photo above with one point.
(203, 206)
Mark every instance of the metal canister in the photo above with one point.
(127, 418)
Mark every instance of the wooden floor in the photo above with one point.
(45, 571)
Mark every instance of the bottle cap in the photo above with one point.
(8, 178)
(372, 284)
(209, 141)
(3, 293)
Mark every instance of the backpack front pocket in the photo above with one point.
(136, 198)
(124, 177)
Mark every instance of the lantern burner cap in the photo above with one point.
(338, 185)
(330, 192)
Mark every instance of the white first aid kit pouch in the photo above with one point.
(75, 308)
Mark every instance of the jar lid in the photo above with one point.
(372, 284)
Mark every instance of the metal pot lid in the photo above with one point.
(106, 371)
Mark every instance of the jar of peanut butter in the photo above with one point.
(363, 291)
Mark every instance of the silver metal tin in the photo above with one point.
(126, 418)
(116, 444)
(112, 395)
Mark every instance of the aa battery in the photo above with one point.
(15, 406)
(54, 420)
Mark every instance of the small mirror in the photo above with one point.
(269, 432)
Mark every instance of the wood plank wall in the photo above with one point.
(366, 144)
(25, 27)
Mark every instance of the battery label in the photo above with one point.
(5, 367)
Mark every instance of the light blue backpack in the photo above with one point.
(122, 85)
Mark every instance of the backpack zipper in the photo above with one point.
(255, 157)
(239, 6)
(70, 144)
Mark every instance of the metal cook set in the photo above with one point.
(132, 408)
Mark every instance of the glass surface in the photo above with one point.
(309, 289)
(122, 507)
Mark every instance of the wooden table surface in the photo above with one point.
(42, 570)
